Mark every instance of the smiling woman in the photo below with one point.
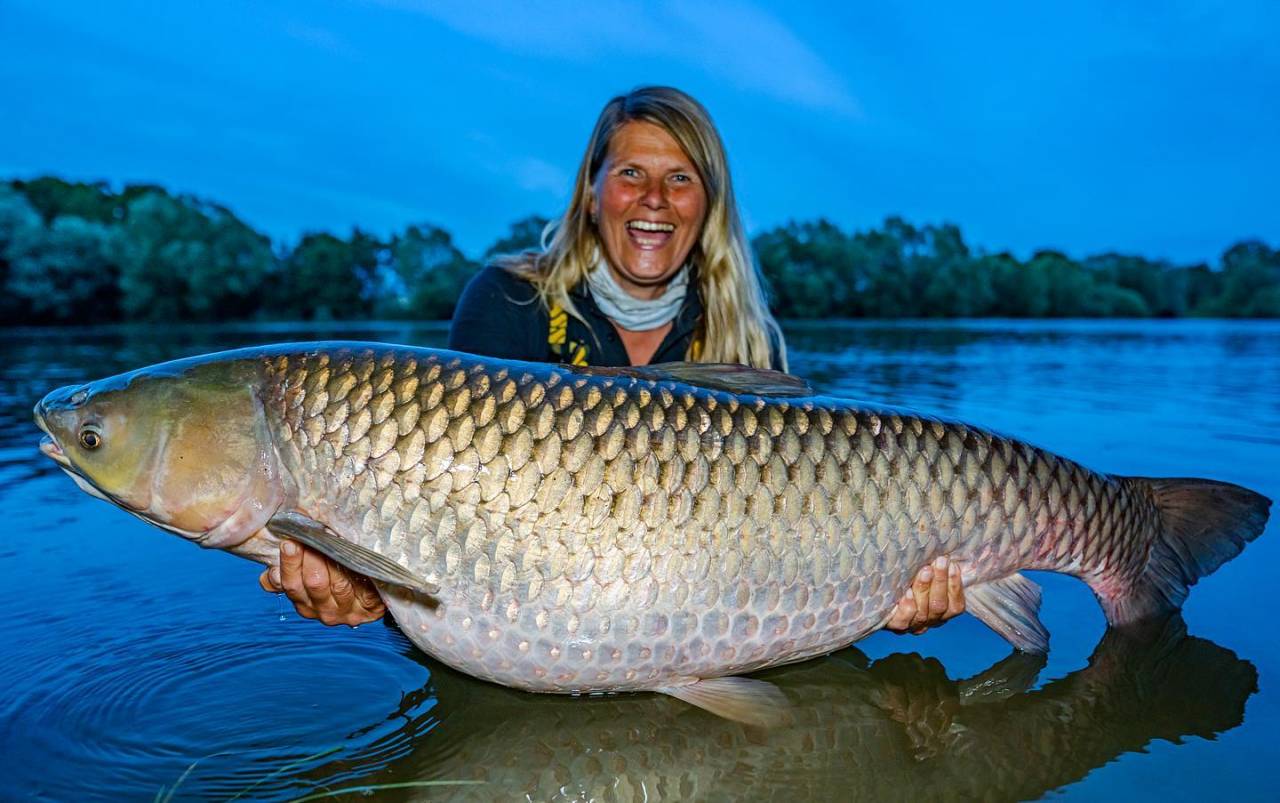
(650, 263)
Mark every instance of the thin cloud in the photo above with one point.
(529, 173)
(318, 37)
(537, 175)
(737, 42)
(758, 52)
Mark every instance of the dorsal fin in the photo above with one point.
(728, 377)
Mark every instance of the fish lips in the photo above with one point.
(57, 401)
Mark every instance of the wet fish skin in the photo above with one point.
(606, 531)
(616, 533)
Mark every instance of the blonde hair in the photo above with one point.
(736, 325)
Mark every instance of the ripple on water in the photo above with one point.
(134, 711)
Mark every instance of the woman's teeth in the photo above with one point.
(646, 225)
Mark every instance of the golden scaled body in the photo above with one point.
(597, 532)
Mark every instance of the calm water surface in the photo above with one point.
(131, 661)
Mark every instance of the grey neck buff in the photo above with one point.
(634, 313)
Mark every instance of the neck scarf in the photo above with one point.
(629, 312)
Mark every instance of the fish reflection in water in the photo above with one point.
(861, 730)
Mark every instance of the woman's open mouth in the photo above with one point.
(648, 235)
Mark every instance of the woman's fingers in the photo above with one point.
(938, 591)
(354, 596)
(321, 589)
(270, 580)
(936, 595)
(921, 589)
(319, 582)
(368, 599)
(955, 592)
(903, 613)
(291, 576)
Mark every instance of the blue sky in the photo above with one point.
(1141, 127)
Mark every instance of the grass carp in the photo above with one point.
(668, 528)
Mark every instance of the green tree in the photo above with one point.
(182, 258)
(1250, 275)
(895, 286)
(1161, 287)
(17, 221)
(52, 198)
(523, 235)
(66, 272)
(813, 270)
(323, 278)
(1018, 292)
(432, 272)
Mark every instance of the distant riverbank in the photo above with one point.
(74, 252)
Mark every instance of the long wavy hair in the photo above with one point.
(736, 326)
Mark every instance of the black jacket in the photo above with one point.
(498, 315)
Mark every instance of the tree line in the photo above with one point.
(74, 252)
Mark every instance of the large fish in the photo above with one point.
(669, 529)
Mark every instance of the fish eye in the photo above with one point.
(90, 438)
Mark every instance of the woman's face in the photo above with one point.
(649, 205)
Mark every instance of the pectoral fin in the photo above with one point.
(751, 702)
(1011, 607)
(308, 531)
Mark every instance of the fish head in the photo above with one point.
(185, 447)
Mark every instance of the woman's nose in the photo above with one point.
(655, 195)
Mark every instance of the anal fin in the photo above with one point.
(306, 530)
(751, 702)
(1011, 607)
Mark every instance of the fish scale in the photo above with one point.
(514, 489)
(570, 529)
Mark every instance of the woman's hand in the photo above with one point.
(321, 589)
(934, 597)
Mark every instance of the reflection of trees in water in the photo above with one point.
(894, 728)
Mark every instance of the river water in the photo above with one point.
(133, 664)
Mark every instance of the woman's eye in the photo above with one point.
(90, 439)
(682, 178)
(629, 172)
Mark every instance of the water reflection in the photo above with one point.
(896, 728)
(126, 655)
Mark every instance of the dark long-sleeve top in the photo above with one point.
(499, 315)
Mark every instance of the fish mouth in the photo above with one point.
(48, 444)
(50, 448)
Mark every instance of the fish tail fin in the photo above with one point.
(1202, 525)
